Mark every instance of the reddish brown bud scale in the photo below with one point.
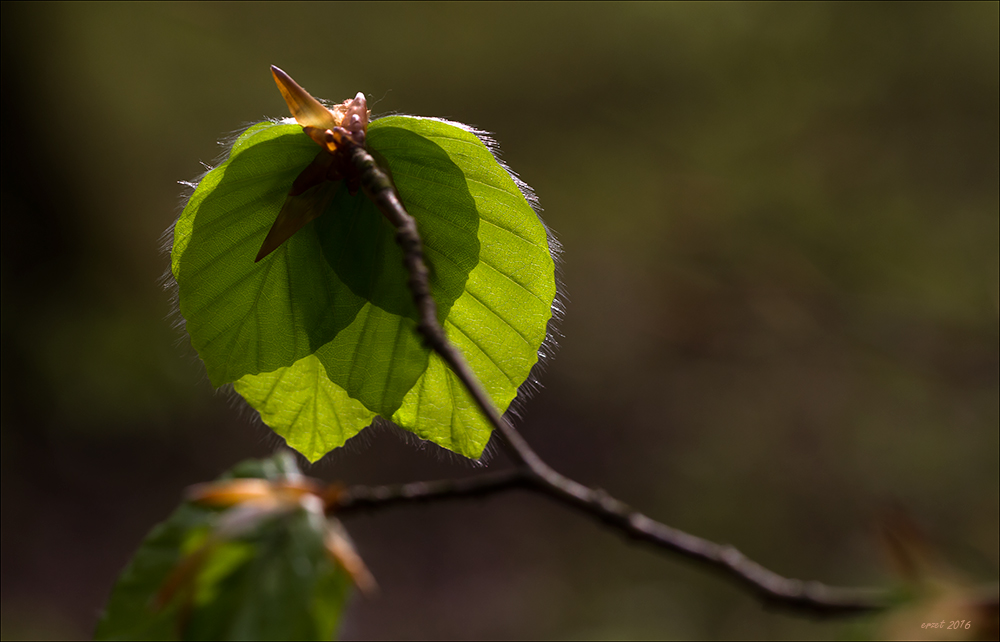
(331, 129)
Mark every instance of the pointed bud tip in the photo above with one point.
(279, 75)
(306, 110)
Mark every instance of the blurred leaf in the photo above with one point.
(944, 611)
(272, 580)
(335, 294)
(287, 588)
(131, 613)
(934, 601)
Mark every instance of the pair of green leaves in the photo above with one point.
(319, 336)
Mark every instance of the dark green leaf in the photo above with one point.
(274, 581)
(132, 612)
(282, 587)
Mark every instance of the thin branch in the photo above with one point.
(769, 586)
(364, 498)
(533, 473)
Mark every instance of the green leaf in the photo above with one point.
(274, 582)
(281, 586)
(335, 294)
(131, 612)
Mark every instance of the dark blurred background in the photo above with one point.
(781, 257)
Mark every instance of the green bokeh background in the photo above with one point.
(781, 232)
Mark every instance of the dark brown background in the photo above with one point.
(781, 233)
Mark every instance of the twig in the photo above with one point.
(362, 498)
(769, 586)
(535, 474)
